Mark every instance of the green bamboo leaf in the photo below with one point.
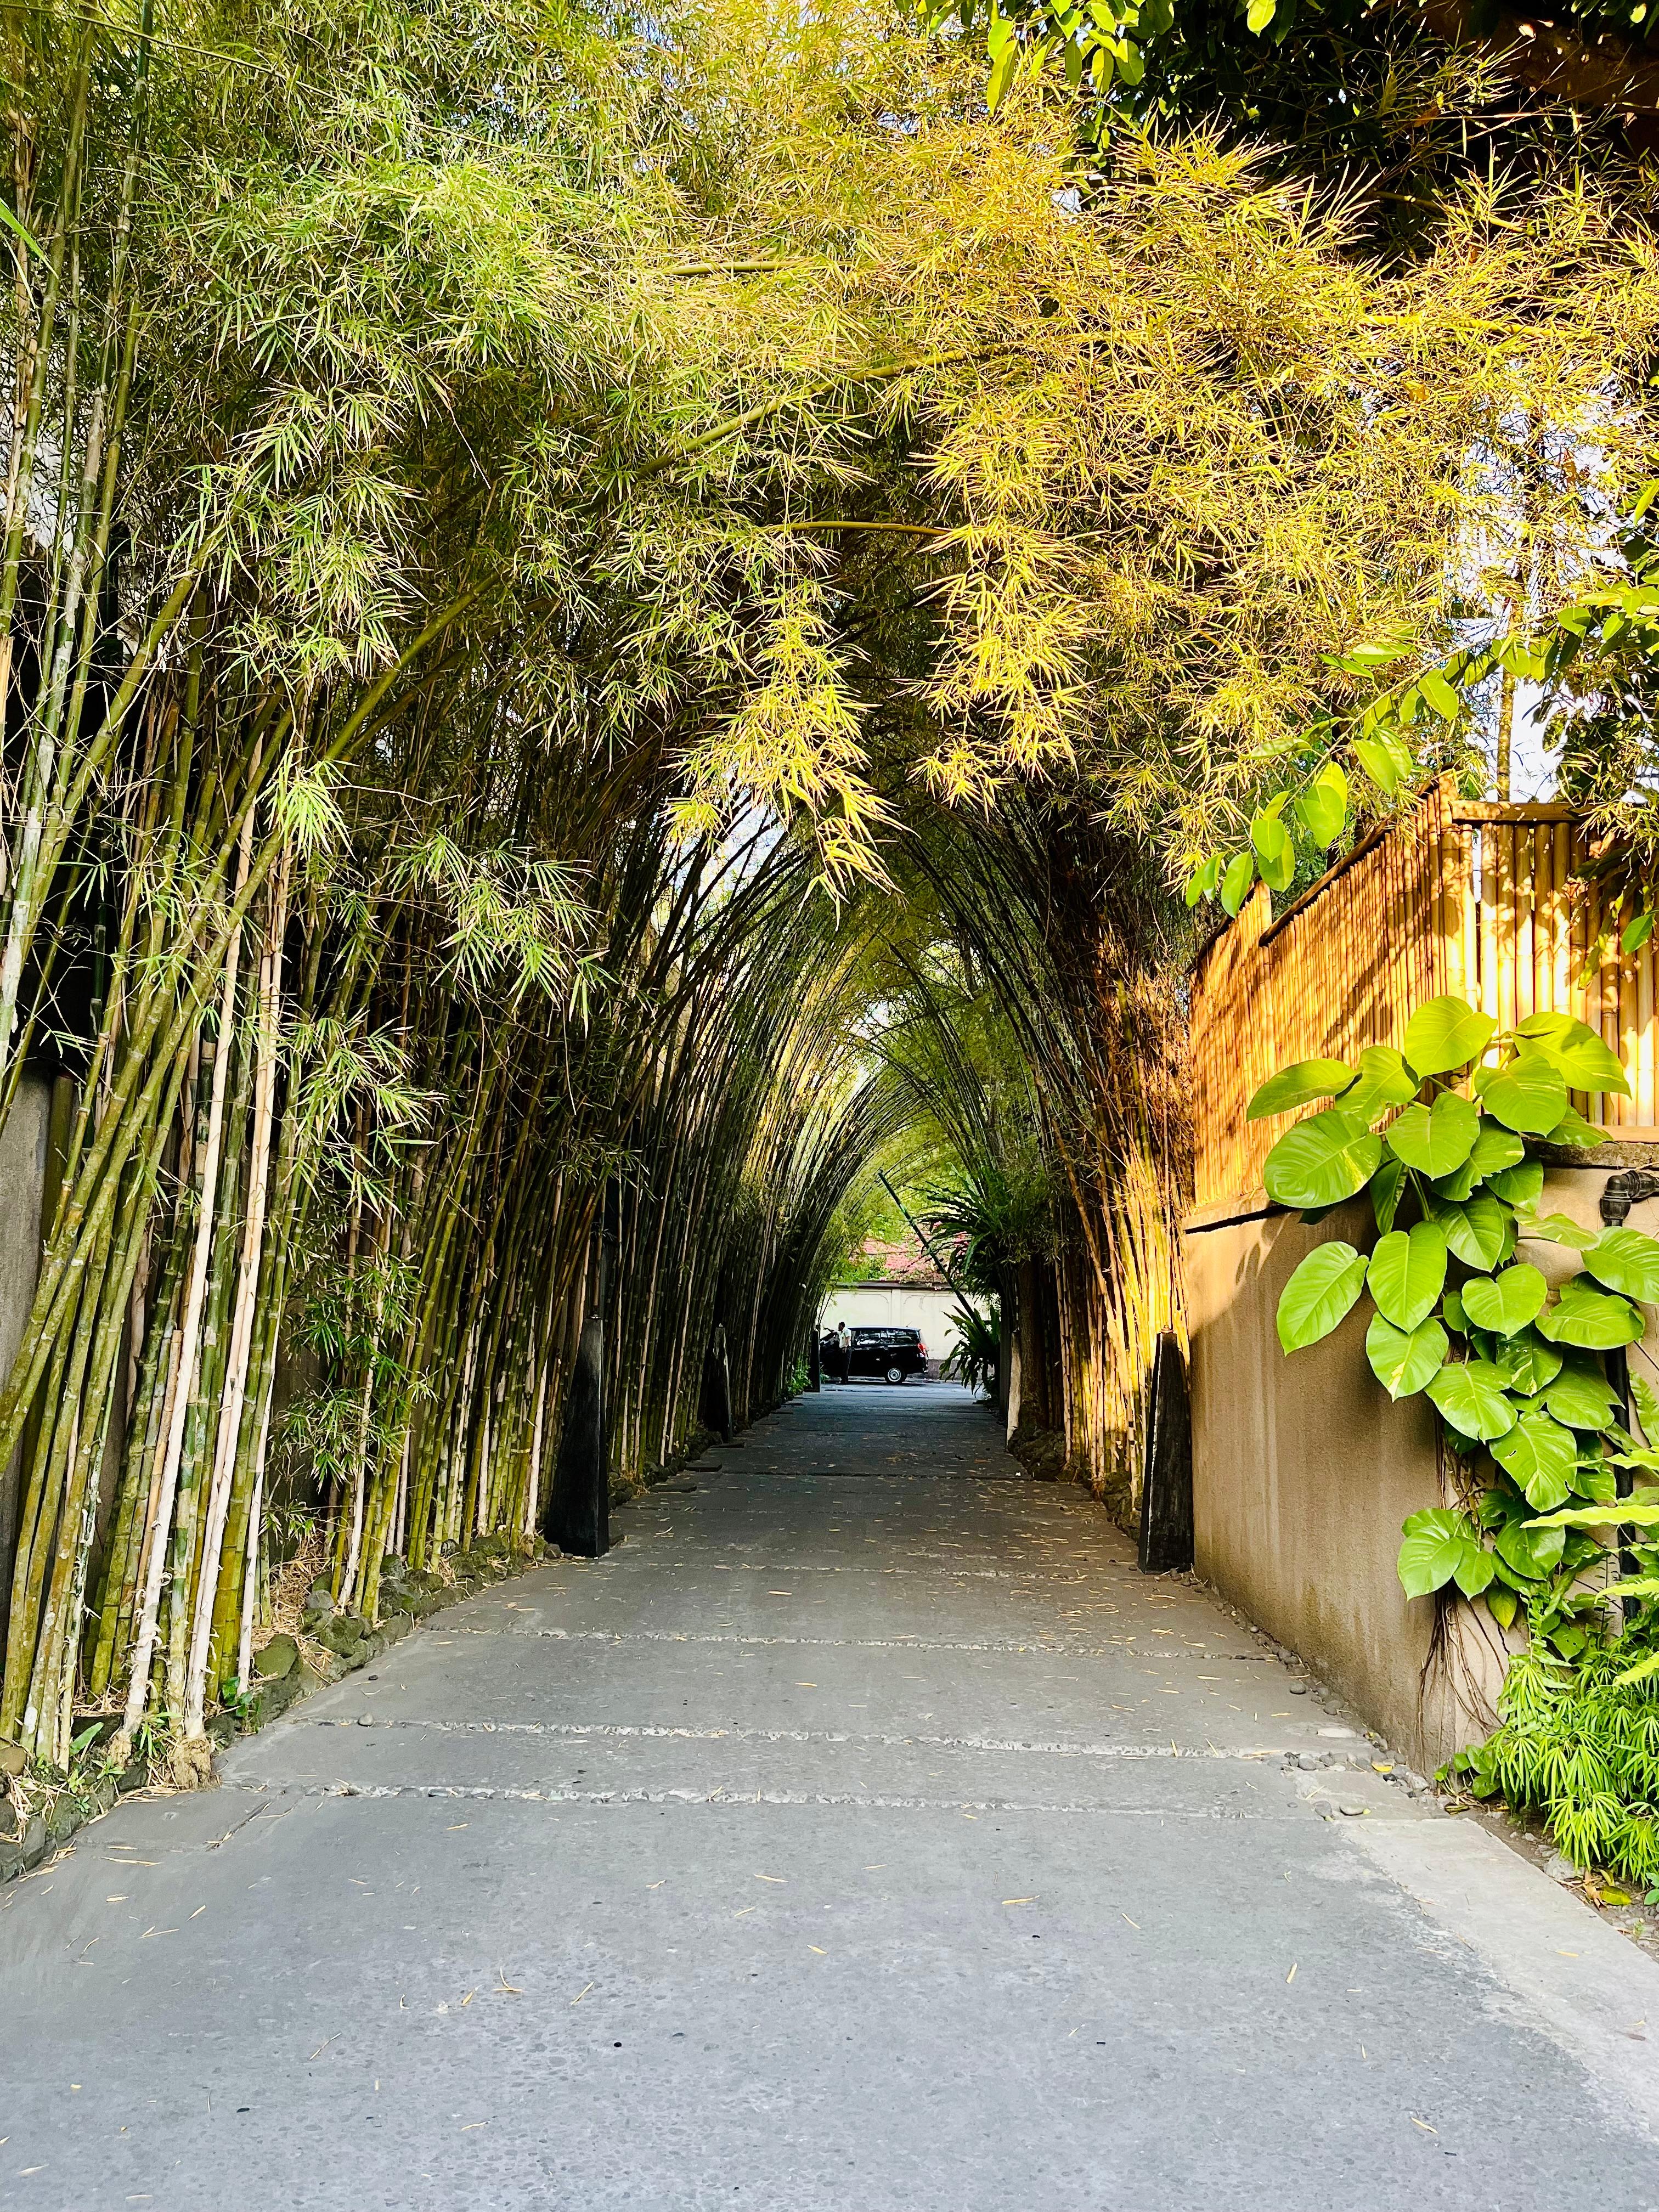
(1320, 1294)
(1299, 1086)
(1530, 1094)
(1404, 1361)
(1435, 1140)
(1625, 1260)
(1321, 1161)
(1506, 1302)
(1408, 1274)
(1472, 1398)
(1627, 1510)
(1638, 1673)
(1446, 1033)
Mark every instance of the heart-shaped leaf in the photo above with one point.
(1320, 1294)
(1506, 1302)
(1520, 1186)
(1595, 1478)
(1299, 1086)
(1322, 1161)
(1582, 1396)
(1471, 1397)
(1586, 1060)
(1530, 1094)
(1435, 1140)
(1476, 1230)
(1539, 1455)
(1531, 1553)
(1405, 1360)
(1625, 1260)
(1589, 1318)
(1527, 1362)
(1383, 1080)
(1408, 1274)
(1446, 1033)
(1437, 1541)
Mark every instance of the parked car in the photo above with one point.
(892, 1354)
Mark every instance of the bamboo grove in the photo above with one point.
(535, 549)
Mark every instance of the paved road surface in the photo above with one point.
(863, 1835)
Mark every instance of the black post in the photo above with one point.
(578, 1518)
(815, 1360)
(717, 1386)
(1166, 1490)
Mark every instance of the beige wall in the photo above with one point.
(1303, 1471)
(895, 1305)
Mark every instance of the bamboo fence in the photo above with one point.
(1479, 899)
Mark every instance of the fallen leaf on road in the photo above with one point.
(580, 1995)
(468, 1999)
(1019, 1900)
(1291, 1977)
(1133, 1923)
(771, 1877)
(1424, 2125)
(813, 1947)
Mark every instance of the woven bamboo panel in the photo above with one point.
(1476, 899)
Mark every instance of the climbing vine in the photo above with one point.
(1440, 1134)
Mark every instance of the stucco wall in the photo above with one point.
(1303, 1471)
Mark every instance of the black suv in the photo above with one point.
(892, 1354)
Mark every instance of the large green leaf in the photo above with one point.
(1522, 1185)
(1322, 1161)
(1627, 1511)
(1446, 1033)
(1505, 1302)
(1320, 1294)
(1586, 1062)
(1527, 1362)
(1383, 1080)
(1582, 1396)
(1496, 1149)
(1236, 883)
(1625, 1260)
(1386, 1186)
(1589, 1318)
(1595, 1478)
(1324, 807)
(1405, 1360)
(1556, 1229)
(1539, 1455)
(1471, 1397)
(1476, 1230)
(1275, 853)
(1530, 1094)
(1299, 1086)
(1407, 1272)
(1531, 1552)
(1437, 1541)
(1435, 1140)
(1573, 1130)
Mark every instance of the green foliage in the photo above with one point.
(1523, 1392)
(1579, 1743)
